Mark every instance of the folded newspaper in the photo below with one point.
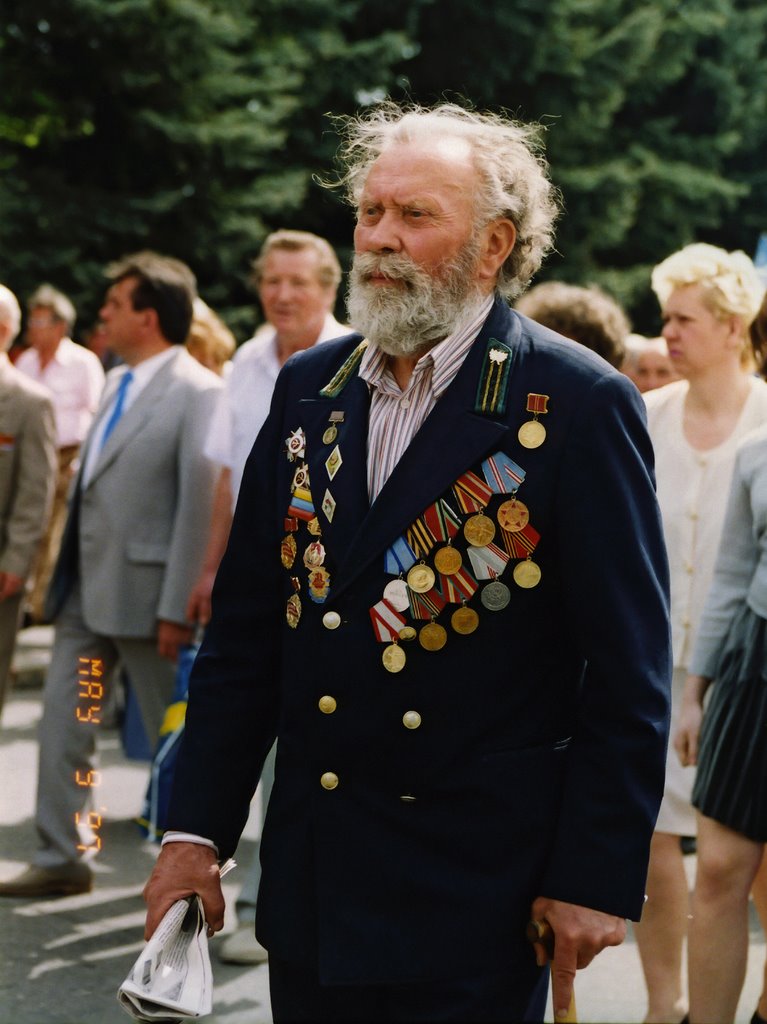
(172, 978)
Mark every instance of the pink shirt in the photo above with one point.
(74, 378)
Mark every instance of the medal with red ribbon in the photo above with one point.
(522, 543)
(471, 492)
(426, 606)
(459, 587)
(387, 622)
(532, 433)
(443, 523)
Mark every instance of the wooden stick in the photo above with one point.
(543, 933)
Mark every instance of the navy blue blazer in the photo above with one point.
(537, 769)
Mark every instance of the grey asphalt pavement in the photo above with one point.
(61, 960)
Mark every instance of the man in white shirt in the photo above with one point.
(74, 378)
(297, 275)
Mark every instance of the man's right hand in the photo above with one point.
(198, 606)
(183, 869)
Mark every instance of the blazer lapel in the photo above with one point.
(348, 489)
(451, 440)
(135, 419)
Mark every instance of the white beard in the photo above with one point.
(410, 319)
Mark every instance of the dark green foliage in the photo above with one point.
(196, 126)
(188, 126)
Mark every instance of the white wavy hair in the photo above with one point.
(729, 280)
(513, 175)
(10, 313)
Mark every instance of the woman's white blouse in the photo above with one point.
(693, 487)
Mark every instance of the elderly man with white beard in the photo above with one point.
(445, 595)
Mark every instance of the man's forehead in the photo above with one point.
(292, 261)
(446, 155)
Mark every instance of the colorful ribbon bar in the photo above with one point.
(502, 474)
(459, 587)
(301, 505)
(399, 558)
(488, 562)
(426, 606)
(521, 544)
(387, 621)
(471, 493)
(442, 521)
(420, 538)
(537, 404)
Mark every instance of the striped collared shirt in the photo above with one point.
(396, 416)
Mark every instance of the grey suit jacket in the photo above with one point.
(136, 533)
(27, 468)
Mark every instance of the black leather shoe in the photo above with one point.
(63, 880)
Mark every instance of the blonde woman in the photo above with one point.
(708, 297)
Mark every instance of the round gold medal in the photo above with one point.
(479, 530)
(464, 620)
(421, 578)
(432, 637)
(331, 433)
(447, 560)
(293, 610)
(408, 633)
(527, 574)
(532, 434)
(513, 515)
(393, 658)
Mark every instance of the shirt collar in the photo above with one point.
(147, 368)
(444, 360)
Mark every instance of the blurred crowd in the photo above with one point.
(126, 440)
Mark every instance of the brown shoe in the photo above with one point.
(68, 879)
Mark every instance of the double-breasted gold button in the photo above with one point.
(327, 704)
(411, 719)
(329, 780)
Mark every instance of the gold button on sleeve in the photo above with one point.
(411, 719)
(329, 780)
(327, 704)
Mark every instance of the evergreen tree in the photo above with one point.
(647, 107)
(188, 126)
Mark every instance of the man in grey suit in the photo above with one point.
(131, 551)
(27, 468)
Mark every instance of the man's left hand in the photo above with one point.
(579, 934)
(171, 636)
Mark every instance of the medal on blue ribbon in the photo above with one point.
(399, 558)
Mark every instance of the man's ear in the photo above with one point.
(150, 322)
(498, 241)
